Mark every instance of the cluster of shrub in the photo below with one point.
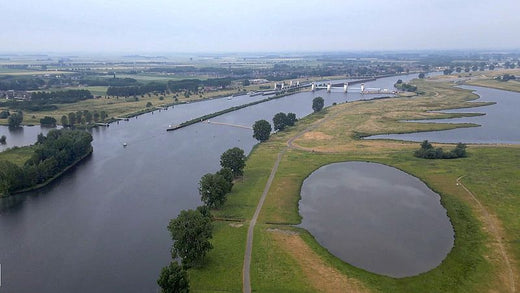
(191, 230)
(400, 85)
(52, 154)
(427, 151)
(505, 77)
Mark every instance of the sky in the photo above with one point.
(139, 26)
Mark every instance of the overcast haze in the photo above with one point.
(249, 26)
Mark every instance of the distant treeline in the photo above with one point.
(20, 84)
(52, 154)
(44, 101)
(109, 82)
(191, 85)
(137, 90)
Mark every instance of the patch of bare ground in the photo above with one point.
(316, 135)
(323, 277)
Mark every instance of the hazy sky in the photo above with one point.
(247, 26)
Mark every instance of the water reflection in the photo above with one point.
(376, 217)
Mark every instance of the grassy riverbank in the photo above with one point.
(288, 259)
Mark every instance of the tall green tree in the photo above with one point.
(261, 130)
(213, 189)
(174, 279)
(191, 232)
(280, 121)
(15, 119)
(234, 159)
(317, 104)
(291, 119)
(64, 121)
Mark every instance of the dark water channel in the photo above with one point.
(102, 226)
(376, 217)
(500, 124)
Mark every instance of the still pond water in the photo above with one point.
(376, 217)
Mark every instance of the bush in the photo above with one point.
(427, 151)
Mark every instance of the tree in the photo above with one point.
(291, 119)
(15, 119)
(279, 121)
(48, 121)
(190, 232)
(174, 279)
(103, 115)
(3, 139)
(261, 130)
(317, 104)
(149, 104)
(235, 160)
(72, 118)
(64, 121)
(399, 81)
(88, 116)
(421, 75)
(4, 114)
(213, 189)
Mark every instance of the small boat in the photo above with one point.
(124, 144)
(230, 97)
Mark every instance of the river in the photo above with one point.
(500, 124)
(102, 226)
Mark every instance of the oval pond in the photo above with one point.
(376, 217)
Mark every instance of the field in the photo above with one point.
(482, 207)
(17, 156)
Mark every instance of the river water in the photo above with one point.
(500, 124)
(102, 226)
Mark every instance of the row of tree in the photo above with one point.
(192, 230)
(52, 154)
(427, 151)
(82, 118)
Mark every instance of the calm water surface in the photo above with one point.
(500, 124)
(376, 217)
(102, 226)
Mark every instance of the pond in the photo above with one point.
(376, 217)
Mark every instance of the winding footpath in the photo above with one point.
(246, 281)
(246, 269)
(493, 229)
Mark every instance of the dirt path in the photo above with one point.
(246, 281)
(492, 227)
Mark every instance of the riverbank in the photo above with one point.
(20, 155)
(286, 258)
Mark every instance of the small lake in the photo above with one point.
(376, 217)
(500, 124)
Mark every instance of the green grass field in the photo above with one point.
(17, 155)
(295, 262)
